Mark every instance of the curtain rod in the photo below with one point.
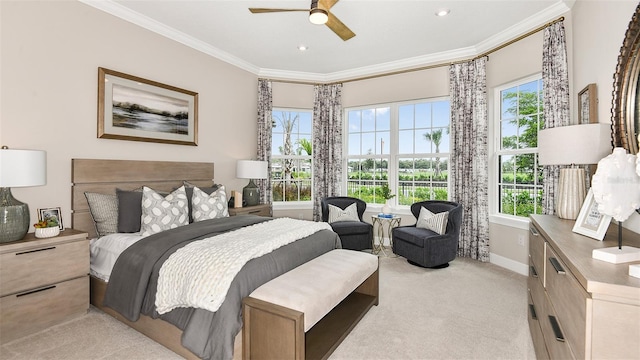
(427, 67)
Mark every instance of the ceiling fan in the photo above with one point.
(318, 14)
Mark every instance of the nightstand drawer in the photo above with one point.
(260, 210)
(569, 301)
(34, 310)
(34, 267)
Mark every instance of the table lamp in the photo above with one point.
(18, 168)
(251, 169)
(573, 145)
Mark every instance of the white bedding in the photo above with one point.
(106, 250)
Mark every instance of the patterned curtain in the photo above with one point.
(327, 144)
(265, 125)
(469, 156)
(555, 81)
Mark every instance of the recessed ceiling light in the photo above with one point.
(443, 12)
(303, 47)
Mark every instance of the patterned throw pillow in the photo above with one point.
(434, 222)
(104, 211)
(205, 206)
(350, 213)
(163, 213)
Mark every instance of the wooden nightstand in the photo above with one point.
(44, 282)
(261, 210)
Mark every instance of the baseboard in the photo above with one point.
(509, 264)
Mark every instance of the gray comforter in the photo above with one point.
(132, 286)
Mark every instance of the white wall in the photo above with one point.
(50, 54)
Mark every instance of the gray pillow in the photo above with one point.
(104, 211)
(129, 210)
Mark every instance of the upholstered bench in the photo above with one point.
(308, 311)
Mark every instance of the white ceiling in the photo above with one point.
(390, 35)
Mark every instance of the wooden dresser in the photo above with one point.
(42, 282)
(579, 307)
(261, 210)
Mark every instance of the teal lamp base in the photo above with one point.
(14, 217)
(251, 194)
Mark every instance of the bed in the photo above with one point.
(176, 328)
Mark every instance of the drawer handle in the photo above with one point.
(533, 231)
(254, 211)
(36, 290)
(534, 273)
(532, 310)
(556, 265)
(556, 328)
(32, 251)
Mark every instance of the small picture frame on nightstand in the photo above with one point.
(54, 212)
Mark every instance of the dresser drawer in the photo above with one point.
(554, 334)
(569, 301)
(35, 267)
(536, 291)
(536, 252)
(536, 331)
(30, 311)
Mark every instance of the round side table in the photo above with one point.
(380, 224)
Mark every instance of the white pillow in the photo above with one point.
(163, 213)
(350, 213)
(205, 206)
(434, 222)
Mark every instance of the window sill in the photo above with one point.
(512, 221)
(293, 205)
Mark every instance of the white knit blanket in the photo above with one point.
(199, 274)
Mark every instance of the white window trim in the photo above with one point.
(494, 131)
(294, 205)
(393, 148)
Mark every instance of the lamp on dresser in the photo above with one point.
(573, 145)
(18, 168)
(251, 169)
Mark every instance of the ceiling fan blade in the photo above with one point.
(263, 10)
(339, 28)
(327, 4)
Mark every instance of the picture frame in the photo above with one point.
(51, 212)
(588, 105)
(590, 221)
(137, 109)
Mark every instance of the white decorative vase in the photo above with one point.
(47, 232)
(386, 209)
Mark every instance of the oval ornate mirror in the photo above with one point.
(626, 92)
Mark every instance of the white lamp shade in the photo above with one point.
(251, 169)
(20, 168)
(576, 144)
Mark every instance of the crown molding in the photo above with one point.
(146, 22)
(536, 20)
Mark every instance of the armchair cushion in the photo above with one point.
(336, 214)
(351, 227)
(435, 222)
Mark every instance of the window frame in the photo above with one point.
(283, 205)
(394, 156)
(495, 150)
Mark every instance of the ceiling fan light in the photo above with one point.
(318, 16)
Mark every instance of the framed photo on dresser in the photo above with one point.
(590, 221)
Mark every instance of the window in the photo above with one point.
(404, 144)
(291, 155)
(520, 118)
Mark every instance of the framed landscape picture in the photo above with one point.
(133, 108)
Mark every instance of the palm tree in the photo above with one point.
(435, 137)
(288, 121)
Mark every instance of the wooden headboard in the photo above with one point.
(104, 176)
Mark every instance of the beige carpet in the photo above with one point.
(469, 310)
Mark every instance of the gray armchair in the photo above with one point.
(424, 247)
(355, 235)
